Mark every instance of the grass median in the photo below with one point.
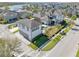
(33, 46)
(77, 55)
(52, 43)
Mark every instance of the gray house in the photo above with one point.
(30, 28)
(9, 16)
(58, 16)
(51, 17)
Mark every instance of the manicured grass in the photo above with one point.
(52, 43)
(16, 30)
(11, 26)
(3, 22)
(33, 46)
(67, 29)
(74, 17)
(40, 40)
(77, 55)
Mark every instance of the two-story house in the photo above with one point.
(58, 16)
(30, 27)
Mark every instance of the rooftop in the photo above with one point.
(30, 23)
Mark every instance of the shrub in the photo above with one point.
(73, 17)
(12, 26)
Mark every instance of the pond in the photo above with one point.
(16, 7)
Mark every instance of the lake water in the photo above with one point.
(16, 7)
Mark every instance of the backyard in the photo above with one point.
(38, 41)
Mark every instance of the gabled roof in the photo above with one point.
(30, 23)
(57, 12)
(7, 13)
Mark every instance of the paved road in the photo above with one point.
(4, 32)
(67, 47)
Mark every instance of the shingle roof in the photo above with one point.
(7, 12)
(30, 23)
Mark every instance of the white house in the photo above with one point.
(30, 28)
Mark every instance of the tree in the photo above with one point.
(9, 46)
(7, 8)
(73, 17)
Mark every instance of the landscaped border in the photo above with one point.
(77, 55)
(54, 41)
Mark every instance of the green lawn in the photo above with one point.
(12, 26)
(33, 46)
(77, 55)
(3, 22)
(73, 17)
(67, 29)
(40, 40)
(52, 43)
(16, 30)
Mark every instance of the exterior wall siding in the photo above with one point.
(36, 32)
(24, 34)
(29, 34)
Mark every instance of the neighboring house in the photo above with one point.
(1, 10)
(9, 16)
(51, 17)
(30, 28)
(57, 16)
(77, 9)
(23, 13)
(43, 17)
